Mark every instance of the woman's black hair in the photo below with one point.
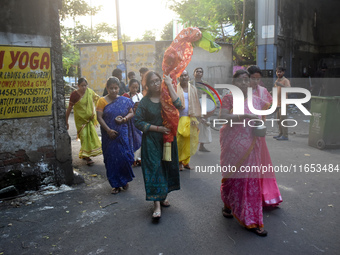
(254, 69)
(133, 81)
(238, 73)
(116, 72)
(112, 80)
(130, 74)
(82, 80)
(147, 78)
(143, 69)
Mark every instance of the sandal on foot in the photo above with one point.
(187, 167)
(126, 187)
(226, 212)
(115, 191)
(181, 167)
(258, 231)
(156, 215)
(165, 203)
(89, 162)
(203, 149)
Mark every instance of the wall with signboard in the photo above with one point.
(35, 147)
(25, 82)
(97, 60)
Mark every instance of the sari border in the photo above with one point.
(253, 225)
(92, 153)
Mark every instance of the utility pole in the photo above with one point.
(121, 55)
(119, 33)
(91, 21)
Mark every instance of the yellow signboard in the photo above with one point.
(117, 46)
(25, 82)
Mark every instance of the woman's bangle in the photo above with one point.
(125, 119)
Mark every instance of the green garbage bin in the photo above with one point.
(324, 127)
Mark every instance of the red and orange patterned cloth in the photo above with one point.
(176, 59)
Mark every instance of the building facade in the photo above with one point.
(35, 147)
(300, 35)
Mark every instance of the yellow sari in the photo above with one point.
(187, 131)
(187, 138)
(86, 120)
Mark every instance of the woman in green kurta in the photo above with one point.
(160, 177)
(83, 101)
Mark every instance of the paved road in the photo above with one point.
(89, 220)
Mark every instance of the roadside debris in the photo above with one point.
(29, 197)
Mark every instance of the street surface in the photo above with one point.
(87, 219)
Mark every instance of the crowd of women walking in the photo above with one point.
(132, 131)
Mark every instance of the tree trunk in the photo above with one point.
(243, 25)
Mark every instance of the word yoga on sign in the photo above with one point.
(25, 82)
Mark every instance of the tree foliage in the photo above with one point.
(75, 8)
(148, 35)
(126, 38)
(167, 33)
(217, 16)
(80, 33)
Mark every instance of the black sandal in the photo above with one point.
(258, 231)
(165, 203)
(227, 213)
(89, 161)
(188, 167)
(115, 191)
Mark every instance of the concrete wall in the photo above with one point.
(34, 150)
(98, 60)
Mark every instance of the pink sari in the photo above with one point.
(271, 193)
(263, 93)
(246, 192)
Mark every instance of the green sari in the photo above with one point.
(160, 177)
(86, 120)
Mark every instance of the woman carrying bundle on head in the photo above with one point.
(160, 177)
